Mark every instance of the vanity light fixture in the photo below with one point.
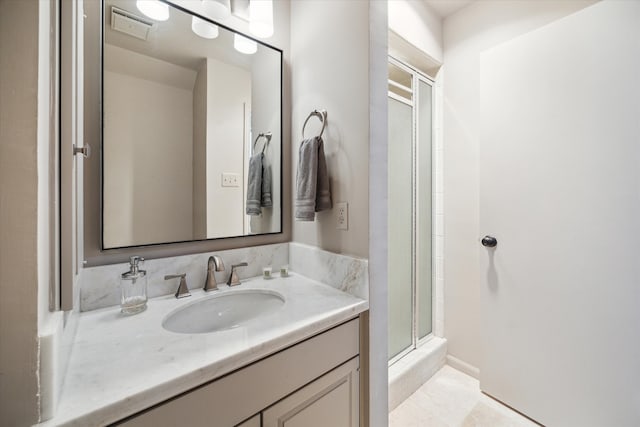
(218, 10)
(204, 29)
(154, 9)
(261, 18)
(244, 45)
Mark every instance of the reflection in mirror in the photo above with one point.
(181, 111)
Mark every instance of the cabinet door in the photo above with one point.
(331, 400)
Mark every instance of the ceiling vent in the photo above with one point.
(130, 24)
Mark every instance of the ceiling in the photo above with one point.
(445, 8)
(173, 41)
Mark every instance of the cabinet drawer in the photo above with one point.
(331, 400)
(235, 397)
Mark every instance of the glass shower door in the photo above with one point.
(400, 227)
(410, 209)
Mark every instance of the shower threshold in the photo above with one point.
(407, 374)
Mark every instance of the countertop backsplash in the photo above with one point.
(343, 272)
(100, 286)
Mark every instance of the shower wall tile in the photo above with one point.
(438, 188)
(439, 228)
(438, 303)
(439, 203)
(438, 197)
(439, 267)
(439, 245)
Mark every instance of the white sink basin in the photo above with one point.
(224, 311)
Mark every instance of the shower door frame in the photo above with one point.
(417, 77)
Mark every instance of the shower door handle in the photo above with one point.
(489, 241)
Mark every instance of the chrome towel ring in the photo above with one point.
(267, 136)
(320, 114)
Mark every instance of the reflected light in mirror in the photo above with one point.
(217, 9)
(154, 9)
(244, 45)
(203, 28)
(261, 18)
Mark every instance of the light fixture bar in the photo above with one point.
(154, 9)
(261, 18)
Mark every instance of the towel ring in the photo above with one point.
(267, 136)
(321, 114)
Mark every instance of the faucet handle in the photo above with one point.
(233, 277)
(183, 290)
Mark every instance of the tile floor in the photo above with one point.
(453, 399)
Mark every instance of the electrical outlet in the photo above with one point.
(230, 179)
(342, 216)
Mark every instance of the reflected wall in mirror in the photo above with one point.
(181, 113)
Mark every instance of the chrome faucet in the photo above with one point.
(183, 290)
(214, 264)
(233, 277)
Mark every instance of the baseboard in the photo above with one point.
(458, 364)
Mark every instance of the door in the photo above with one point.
(560, 191)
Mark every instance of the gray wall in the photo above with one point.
(332, 73)
(18, 212)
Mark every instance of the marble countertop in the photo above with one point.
(121, 365)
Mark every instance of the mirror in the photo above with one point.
(183, 117)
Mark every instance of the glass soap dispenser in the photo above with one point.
(134, 288)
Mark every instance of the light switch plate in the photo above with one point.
(342, 216)
(230, 179)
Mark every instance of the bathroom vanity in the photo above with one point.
(281, 368)
(315, 383)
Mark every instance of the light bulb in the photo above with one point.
(244, 45)
(261, 18)
(204, 29)
(217, 9)
(154, 9)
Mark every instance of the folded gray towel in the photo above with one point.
(265, 198)
(254, 185)
(312, 180)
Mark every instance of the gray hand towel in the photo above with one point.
(254, 185)
(265, 198)
(312, 180)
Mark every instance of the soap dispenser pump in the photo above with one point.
(134, 288)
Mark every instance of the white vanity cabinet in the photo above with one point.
(312, 383)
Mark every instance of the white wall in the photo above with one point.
(18, 213)
(467, 33)
(228, 103)
(199, 153)
(330, 59)
(417, 24)
(378, 214)
(148, 127)
(265, 117)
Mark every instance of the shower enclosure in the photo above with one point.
(410, 208)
